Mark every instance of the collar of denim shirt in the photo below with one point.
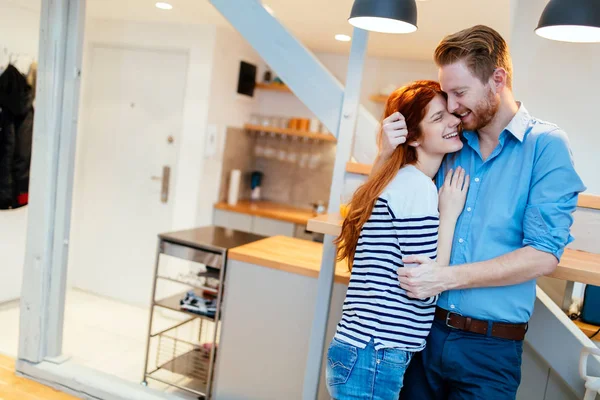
(517, 127)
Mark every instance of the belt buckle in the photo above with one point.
(448, 319)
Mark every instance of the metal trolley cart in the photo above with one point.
(183, 353)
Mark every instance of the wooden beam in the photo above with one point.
(347, 127)
(55, 126)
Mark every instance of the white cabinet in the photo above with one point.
(267, 320)
(253, 224)
(272, 227)
(233, 220)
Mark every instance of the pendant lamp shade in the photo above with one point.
(571, 21)
(385, 16)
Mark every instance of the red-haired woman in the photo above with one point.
(393, 215)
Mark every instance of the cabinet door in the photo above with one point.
(272, 227)
(232, 220)
(300, 232)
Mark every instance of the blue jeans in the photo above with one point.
(365, 374)
(458, 365)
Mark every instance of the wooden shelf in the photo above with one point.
(588, 329)
(291, 132)
(379, 98)
(277, 87)
(589, 201)
(578, 266)
(358, 168)
(329, 224)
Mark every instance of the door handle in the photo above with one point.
(166, 177)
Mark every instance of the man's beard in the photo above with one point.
(484, 112)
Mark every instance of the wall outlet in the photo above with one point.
(212, 136)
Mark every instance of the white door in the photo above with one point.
(131, 125)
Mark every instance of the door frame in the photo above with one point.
(42, 306)
(45, 271)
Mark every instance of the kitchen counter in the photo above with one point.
(575, 265)
(268, 309)
(271, 210)
(288, 254)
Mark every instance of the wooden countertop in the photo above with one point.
(329, 224)
(575, 265)
(271, 210)
(284, 253)
(578, 266)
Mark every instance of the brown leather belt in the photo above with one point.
(499, 329)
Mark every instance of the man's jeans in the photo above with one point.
(462, 365)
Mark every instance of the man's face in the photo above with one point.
(472, 101)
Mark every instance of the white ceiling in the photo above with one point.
(315, 22)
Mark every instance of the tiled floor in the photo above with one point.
(100, 333)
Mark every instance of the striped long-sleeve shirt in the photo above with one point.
(404, 221)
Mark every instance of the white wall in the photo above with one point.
(226, 108)
(558, 82)
(19, 33)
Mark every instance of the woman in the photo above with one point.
(393, 215)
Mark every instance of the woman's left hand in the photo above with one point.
(453, 193)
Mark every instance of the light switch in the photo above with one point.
(212, 134)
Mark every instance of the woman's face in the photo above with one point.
(439, 129)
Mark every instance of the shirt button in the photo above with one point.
(469, 209)
(452, 306)
(460, 240)
(476, 179)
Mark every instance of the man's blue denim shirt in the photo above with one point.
(523, 194)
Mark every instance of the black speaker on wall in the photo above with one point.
(247, 79)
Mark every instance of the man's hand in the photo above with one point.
(394, 133)
(425, 280)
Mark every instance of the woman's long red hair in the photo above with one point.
(411, 101)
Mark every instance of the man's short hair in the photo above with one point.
(481, 48)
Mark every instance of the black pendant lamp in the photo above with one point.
(571, 21)
(386, 16)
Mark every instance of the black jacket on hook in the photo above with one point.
(16, 131)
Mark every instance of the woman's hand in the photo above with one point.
(453, 194)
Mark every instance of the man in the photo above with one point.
(513, 229)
